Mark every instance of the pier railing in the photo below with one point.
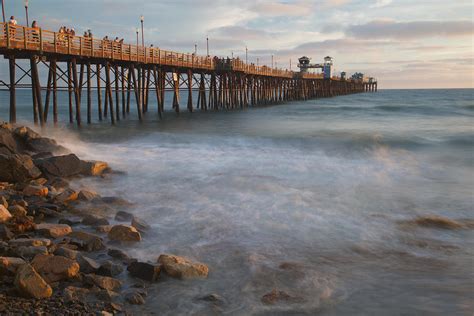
(37, 39)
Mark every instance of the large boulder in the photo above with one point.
(180, 267)
(66, 196)
(53, 230)
(30, 284)
(9, 265)
(60, 166)
(145, 271)
(5, 215)
(110, 269)
(86, 241)
(87, 195)
(88, 265)
(124, 233)
(94, 168)
(8, 143)
(17, 168)
(94, 220)
(26, 133)
(55, 268)
(35, 190)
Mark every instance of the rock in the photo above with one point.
(17, 210)
(110, 269)
(5, 233)
(3, 202)
(134, 298)
(35, 242)
(66, 196)
(87, 265)
(437, 222)
(94, 168)
(39, 181)
(86, 195)
(106, 283)
(30, 284)
(29, 252)
(118, 254)
(22, 203)
(123, 216)
(180, 267)
(53, 230)
(276, 296)
(35, 190)
(145, 271)
(60, 166)
(4, 214)
(124, 233)
(87, 241)
(73, 293)
(59, 183)
(103, 229)
(68, 221)
(17, 168)
(140, 224)
(21, 224)
(213, 298)
(8, 143)
(9, 265)
(55, 268)
(116, 201)
(94, 220)
(66, 252)
(26, 133)
(45, 145)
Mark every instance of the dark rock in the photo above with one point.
(5, 232)
(42, 155)
(276, 296)
(66, 252)
(213, 298)
(45, 145)
(17, 168)
(117, 201)
(86, 195)
(29, 252)
(60, 166)
(87, 265)
(10, 265)
(94, 220)
(26, 133)
(106, 283)
(124, 233)
(123, 216)
(68, 195)
(134, 298)
(68, 221)
(118, 254)
(140, 224)
(86, 241)
(145, 271)
(17, 210)
(59, 183)
(8, 142)
(110, 269)
(21, 224)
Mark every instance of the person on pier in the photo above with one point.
(13, 24)
(36, 31)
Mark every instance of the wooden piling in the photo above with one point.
(12, 88)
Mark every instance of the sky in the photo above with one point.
(403, 43)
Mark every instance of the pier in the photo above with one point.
(118, 72)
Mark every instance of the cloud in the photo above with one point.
(241, 32)
(383, 29)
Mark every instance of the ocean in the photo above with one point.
(310, 198)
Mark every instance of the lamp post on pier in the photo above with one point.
(207, 44)
(3, 10)
(26, 11)
(137, 30)
(246, 55)
(195, 49)
(142, 19)
(272, 60)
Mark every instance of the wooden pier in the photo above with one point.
(118, 72)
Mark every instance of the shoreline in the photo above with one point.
(61, 248)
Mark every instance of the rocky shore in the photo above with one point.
(60, 248)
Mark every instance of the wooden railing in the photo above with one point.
(36, 39)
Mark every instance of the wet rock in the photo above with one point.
(39, 181)
(60, 166)
(26, 133)
(45, 145)
(103, 229)
(145, 271)
(5, 233)
(59, 183)
(213, 298)
(53, 230)
(118, 254)
(17, 210)
(86, 195)
(55, 268)
(124, 233)
(8, 144)
(86, 241)
(35, 242)
(35, 190)
(30, 284)
(140, 224)
(4, 214)
(276, 296)
(134, 298)
(123, 216)
(17, 168)
(116, 201)
(68, 221)
(94, 168)
(94, 220)
(180, 267)
(10, 265)
(66, 252)
(436, 222)
(106, 283)
(21, 224)
(87, 264)
(66, 196)
(29, 252)
(3, 202)
(110, 269)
